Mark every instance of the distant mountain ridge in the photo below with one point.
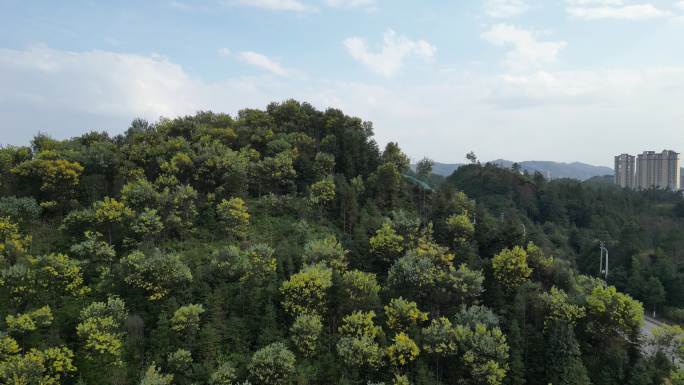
(553, 170)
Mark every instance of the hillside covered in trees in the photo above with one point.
(285, 247)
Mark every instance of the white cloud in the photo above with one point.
(680, 5)
(503, 9)
(395, 49)
(368, 4)
(527, 51)
(278, 5)
(263, 62)
(549, 114)
(224, 52)
(613, 9)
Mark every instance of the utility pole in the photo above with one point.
(604, 253)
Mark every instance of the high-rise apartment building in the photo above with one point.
(659, 170)
(625, 170)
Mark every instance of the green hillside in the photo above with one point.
(282, 246)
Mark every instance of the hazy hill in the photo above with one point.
(555, 170)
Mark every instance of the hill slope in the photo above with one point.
(556, 170)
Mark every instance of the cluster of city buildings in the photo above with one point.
(650, 169)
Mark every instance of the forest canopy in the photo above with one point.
(284, 246)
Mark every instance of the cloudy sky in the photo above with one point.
(557, 80)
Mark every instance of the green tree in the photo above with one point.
(234, 216)
(559, 308)
(424, 168)
(324, 164)
(611, 313)
(59, 274)
(386, 243)
(328, 251)
(359, 289)
(402, 351)
(461, 228)
(180, 362)
(510, 267)
(153, 376)
(357, 345)
(305, 332)
(156, 273)
(186, 320)
(668, 339)
(30, 321)
(654, 293)
(321, 193)
(51, 366)
(440, 337)
(57, 179)
(13, 244)
(223, 375)
(306, 291)
(102, 331)
(394, 155)
(563, 359)
(93, 249)
(272, 365)
(403, 315)
(111, 215)
(385, 184)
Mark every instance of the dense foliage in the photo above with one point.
(284, 247)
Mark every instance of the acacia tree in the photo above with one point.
(461, 228)
(480, 353)
(306, 291)
(359, 291)
(57, 179)
(402, 351)
(186, 320)
(234, 216)
(13, 244)
(357, 345)
(321, 193)
(510, 268)
(111, 215)
(102, 331)
(272, 365)
(306, 331)
(50, 366)
(328, 251)
(613, 314)
(156, 273)
(386, 244)
(403, 315)
(153, 376)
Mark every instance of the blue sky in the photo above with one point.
(557, 80)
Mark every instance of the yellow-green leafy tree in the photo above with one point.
(306, 291)
(29, 321)
(386, 244)
(156, 273)
(234, 216)
(403, 315)
(510, 267)
(402, 351)
(186, 320)
(358, 343)
(101, 331)
(305, 333)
